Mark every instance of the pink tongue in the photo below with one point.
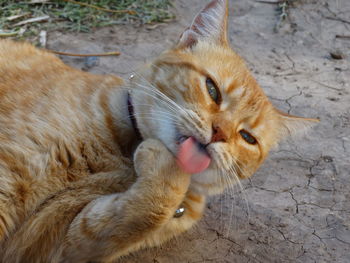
(191, 158)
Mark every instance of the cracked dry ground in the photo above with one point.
(296, 208)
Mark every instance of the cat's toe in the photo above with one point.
(150, 155)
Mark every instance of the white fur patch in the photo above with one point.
(166, 131)
(237, 93)
(224, 105)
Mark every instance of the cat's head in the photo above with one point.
(202, 89)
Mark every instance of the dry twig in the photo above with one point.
(11, 18)
(343, 36)
(32, 20)
(115, 53)
(273, 2)
(337, 19)
(8, 34)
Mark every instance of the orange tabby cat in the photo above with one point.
(71, 187)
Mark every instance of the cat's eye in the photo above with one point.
(213, 90)
(247, 137)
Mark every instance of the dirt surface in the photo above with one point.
(296, 208)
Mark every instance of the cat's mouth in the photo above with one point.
(192, 155)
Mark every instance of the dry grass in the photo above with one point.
(17, 18)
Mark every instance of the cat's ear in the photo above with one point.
(209, 25)
(294, 125)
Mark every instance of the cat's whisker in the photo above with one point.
(158, 99)
(242, 190)
(158, 92)
(158, 118)
(244, 173)
(188, 115)
(231, 185)
(222, 185)
(144, 89)
(223, 201)
(194, 118)
(166, 115)
(233, 171)
(240, 169)
(188, 111)
(229, 175)
(233, 219)
(150, 117)
(157, 110)
(175, 117)
(163, 120)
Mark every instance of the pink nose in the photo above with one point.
(218, 135)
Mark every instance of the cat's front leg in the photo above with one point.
(117, 224)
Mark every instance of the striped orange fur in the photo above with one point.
(72, 187)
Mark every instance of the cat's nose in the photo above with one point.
(218, 135)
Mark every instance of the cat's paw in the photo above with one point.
(151, 156)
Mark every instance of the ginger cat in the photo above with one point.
(72, 188)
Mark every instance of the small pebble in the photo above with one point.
(90, 62)
(336, 54)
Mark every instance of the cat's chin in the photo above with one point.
(207, 183)
(207, 191)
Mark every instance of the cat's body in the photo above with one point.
(59, 142)
(72, 190)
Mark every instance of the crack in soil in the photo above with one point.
(287, 100)
(296, 202)
(287, 239)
